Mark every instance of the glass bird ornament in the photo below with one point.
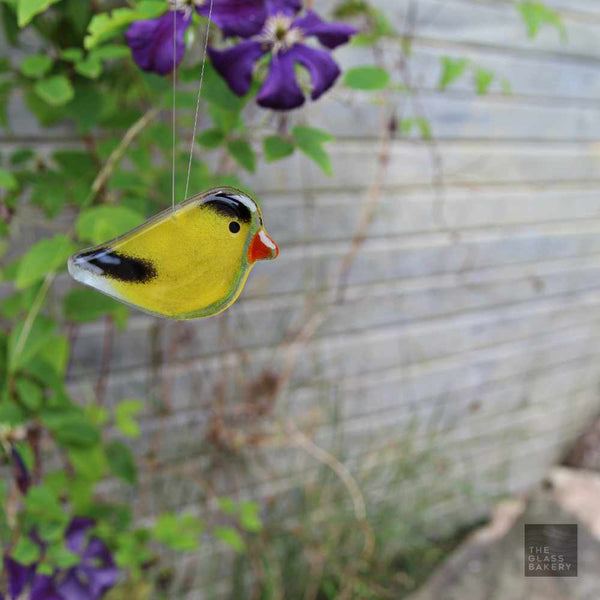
(189, 263)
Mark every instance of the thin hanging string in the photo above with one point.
(189, 169)
(174, 106)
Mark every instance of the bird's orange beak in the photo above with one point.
(262, 247)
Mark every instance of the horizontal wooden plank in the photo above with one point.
(403, 347)
(468, 117)
(539, 78)
(487, 24)
(581, 8)
(412, 165)
(365, 307)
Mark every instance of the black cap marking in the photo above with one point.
(108, 263)
(230, 206)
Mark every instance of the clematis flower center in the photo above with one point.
(186, 5)
(280, 34)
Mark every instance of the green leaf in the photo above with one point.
(23, 347)
(121, 461)
(46, 114)
(60, 557)
(105, 26)
(43, 258)
(72, 54)
(367, 78)
(179, 533)
(230, 537)
(111, 52)
(452, 70)
(535, 15)
(90, 462)
(249, 517)
(424, 128)
(30, 393)
(56, 90)
(90, 67)
(85, 305)
(72, 430)
(55, 352)
(310, 141)
(125, 417)
(483, 81)
(36, 65)
(242, 151)
(211, 138)
(102, 223)
(276, 147)
(27, 9)
(26, 551)
(44, 508)
(8, 181)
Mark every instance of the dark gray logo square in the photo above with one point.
(550, 550)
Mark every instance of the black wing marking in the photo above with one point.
(111, 264)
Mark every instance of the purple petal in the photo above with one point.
(21, 474)
(151, 42)
(284, 7)
(71, 588)
(330, 35)
(322, 68)
(19, 576)
(100, 580)
(43, 588)
(243, 18)
(280, 90)
(236, 64)
(76, 533)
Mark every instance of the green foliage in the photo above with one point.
(27, 9)
(36, 65)
(125, 417)
(276, 147)
(367, 78)
(230, 537)
(483, 81)
(121, 461)
(43, 258)
(8, 181)
(55, 91)
(310, 141)
(179, 532)
(102, 223)
(86, 305)
(452, 70)
(105, 26)
(242, 151)
(536, 15)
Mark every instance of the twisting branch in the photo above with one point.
(117, 154)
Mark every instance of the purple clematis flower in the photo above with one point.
(283, 36)
(151, 40)
(21, 578)
(96, 573)
(21, 473)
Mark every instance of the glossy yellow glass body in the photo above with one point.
(184, 264)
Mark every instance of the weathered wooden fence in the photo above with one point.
(472, 310)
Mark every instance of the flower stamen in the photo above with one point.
(280, 34)
(186, 6)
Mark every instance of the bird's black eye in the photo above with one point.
(234, 227)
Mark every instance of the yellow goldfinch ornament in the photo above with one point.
(190, 263)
